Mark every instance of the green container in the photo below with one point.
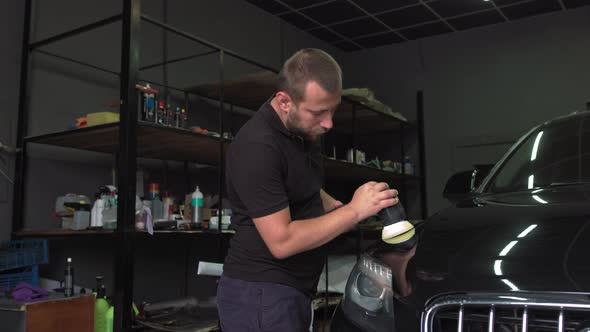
(101, 308)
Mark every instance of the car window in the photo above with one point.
(556, 153)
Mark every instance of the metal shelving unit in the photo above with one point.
(130, 138)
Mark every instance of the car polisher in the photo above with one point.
(396, 229)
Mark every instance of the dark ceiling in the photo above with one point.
(357, 24)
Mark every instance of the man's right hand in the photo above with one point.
(372, 197)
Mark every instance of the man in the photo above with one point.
(281, 215)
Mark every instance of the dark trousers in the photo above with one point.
(261, 306)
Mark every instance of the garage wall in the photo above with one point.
(487, 85)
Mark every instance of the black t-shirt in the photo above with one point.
(267, 170)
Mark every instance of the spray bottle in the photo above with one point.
(197, 206)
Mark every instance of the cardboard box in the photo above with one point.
(73, 314)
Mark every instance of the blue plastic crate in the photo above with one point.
(28, 274)
(22, 253)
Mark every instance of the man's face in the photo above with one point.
(312, 116)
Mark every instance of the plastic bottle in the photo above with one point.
(99, 280)
(177, 118)
(101, 307)
(69, 279)
(148, 104)
(408, 167)
(160, 114)
(110, 318)
(109, 215)
(168, 210)
(197, 206)
(96, 216)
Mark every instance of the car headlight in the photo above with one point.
(368, 298)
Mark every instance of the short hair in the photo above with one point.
(307, 65)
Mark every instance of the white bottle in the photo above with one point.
(96, 214)
(197, 206)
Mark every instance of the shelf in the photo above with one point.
(73, 233)
(60, 232)
(342, 170)
(153, 141)
(249, 91)
(167, 143)
(367, 121)
(252, 90)
(228, 231)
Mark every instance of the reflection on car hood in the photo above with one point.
(535, 241)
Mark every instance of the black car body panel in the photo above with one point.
(534, 239)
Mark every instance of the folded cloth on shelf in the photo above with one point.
(367, 97)
(24, 292)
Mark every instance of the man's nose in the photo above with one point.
(327, 122)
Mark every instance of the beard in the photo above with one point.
(295, 126)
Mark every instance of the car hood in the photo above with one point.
(525, 241)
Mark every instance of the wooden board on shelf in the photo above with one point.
(249, 91)
(153, 141)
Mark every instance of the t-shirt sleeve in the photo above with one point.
(255, 172)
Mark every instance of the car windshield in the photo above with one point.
(557, 153)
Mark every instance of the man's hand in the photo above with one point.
(372, 197)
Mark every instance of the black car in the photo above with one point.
(510, 254)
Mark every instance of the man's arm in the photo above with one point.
(329, 202)
(285, 238)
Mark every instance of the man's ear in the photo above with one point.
(284, 101)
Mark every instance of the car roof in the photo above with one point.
(576, 114)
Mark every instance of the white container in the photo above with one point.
(197, 206)
(96, 214)
(225, 222)
(81, 220)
